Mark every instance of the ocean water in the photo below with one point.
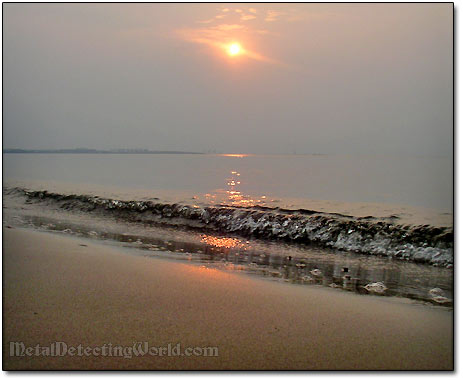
(339, 221)
(408, 181)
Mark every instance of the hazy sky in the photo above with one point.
(309, 78)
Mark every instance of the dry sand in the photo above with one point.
(54, 289)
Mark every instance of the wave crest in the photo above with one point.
(368, 235)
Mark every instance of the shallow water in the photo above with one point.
(304, 219)
(275, 260)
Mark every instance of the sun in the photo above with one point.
(234, 49)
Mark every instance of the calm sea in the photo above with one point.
(409, 181)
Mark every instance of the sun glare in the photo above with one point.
(234, 49)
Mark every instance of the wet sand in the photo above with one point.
(58, 288)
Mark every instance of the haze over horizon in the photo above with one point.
(243, 78)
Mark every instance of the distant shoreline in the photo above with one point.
(97, 151)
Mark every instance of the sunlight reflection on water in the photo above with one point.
(233, 195)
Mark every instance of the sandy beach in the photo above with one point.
(76, 291)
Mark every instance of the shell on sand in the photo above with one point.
(376, 287)
(438, 296)
(436, 292)
(442, 300)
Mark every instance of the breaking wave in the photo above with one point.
(367, 235)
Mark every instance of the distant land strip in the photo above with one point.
(98, 151)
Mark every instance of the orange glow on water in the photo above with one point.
(235, 196)
(234, 155)
(222, 242)
(232, 194)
